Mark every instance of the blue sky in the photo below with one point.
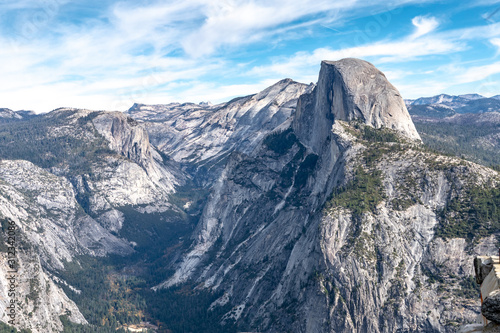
(109, 54)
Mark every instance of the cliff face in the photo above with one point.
(350, 89)
(325, 213)
(203, 136)
(95, 163)
(329, 224)
(40, 299)
(51, 229)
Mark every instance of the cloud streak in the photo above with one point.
(158, 52)
(424, 25)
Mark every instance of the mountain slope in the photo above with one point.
(89, 175)
(100, 187)
(301, 208)
(464, 126)
(475, 137)
(202, 136)
(329, 225)
(7, 115)
(445, 105)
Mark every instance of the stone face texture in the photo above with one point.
(350, 89)
(482, 267)
(490, 288)
(202, 134)
(286, 264)
(491, 307)
(265, 239)
(44, 205)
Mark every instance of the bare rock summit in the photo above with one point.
(350, 89)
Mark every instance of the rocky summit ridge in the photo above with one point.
(350, 89)
(304, 208)
(333, 221)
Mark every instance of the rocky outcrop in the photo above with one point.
(482, 267)
(8, 114)
(72, 208)
(45, 208)
(204, 135)
(487, 271)
(120, 168)
(491, 307)
(40, 301)
(350, 89)
(325, 228)
(124, 136)
(488, 276)
(51, 230)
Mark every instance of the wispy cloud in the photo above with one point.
(423, 25)
(157, 51)
(496, 42)
(233, 23)
(477, 73)
(383, 52)
(416, 47)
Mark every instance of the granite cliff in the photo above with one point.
(304, 208)
(331, 222)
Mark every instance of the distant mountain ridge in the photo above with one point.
(464, 125)
(9, 115)
(444, 105)
(444, 99)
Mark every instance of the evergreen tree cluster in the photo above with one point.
(53, 141)
(462, 140)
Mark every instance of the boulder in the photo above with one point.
(491, 307)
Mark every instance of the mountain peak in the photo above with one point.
(351, 89)
(471, 96)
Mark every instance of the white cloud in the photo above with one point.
(424, 25)
(496, 42)
(240, 22)
(477, 73)
(385, 52)
(420, 45)
(243, 22)
(147, 51)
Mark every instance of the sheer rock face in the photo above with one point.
(124, 136)
(43, 300)
(287, 263)
(129, 139)
(55, 225)
(284, 260)
(204, 135)
(51, 229)
(45, 209)
(350, 89)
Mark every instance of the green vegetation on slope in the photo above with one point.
(113, 294)
(49, 141)
(106, 300)
(117, 290)
(365, 191)
(362, 194)
(461, 140)
(4, 328)
(371, 134)
(184, 309)
(475, 214)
